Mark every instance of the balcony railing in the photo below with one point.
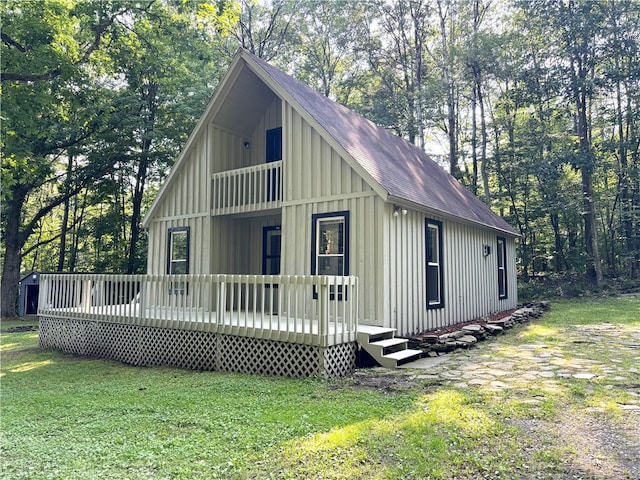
(277, 307)
(247, 189)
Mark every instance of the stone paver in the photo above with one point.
(536, 363)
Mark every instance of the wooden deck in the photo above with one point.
(221, 322)
(267, 325)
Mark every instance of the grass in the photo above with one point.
(65, 417)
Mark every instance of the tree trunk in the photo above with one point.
(12, 254)
(590, 232)
(580, 71)
(141, 177)
(65, 218)
(137, 208)
(451, 100)
(474, 141)
(63, 236)
(588, 207)
(558, 255)
(483, 152)
(77, 227)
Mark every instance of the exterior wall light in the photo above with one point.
(399, 210)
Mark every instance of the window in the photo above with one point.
(502, 267)
(178, 256)
(435, 279)
(330, 247)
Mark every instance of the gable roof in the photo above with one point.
(396, 167)
(403, 170)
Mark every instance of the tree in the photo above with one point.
(445, 59)
(622, 73)
(478, 60)
(328, 56)
(168, 67)
(88, 88)
(263, 27)
(52, 102)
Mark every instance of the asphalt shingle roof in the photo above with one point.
(401, 168)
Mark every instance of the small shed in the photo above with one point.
(28, 297)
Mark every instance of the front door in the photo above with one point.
(271, 242)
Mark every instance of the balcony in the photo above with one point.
(245, 190)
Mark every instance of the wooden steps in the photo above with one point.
(384, 347)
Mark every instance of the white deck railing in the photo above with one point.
(247, 189)
(309, 309)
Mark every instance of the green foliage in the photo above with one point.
(117, 87)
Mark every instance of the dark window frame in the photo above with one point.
(431, 266)
(265, 247)
(315, 218)
(501, 257)
(178, 288)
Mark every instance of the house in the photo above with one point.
(278, 185)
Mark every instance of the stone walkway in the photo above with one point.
(600, 438)
(496, 366)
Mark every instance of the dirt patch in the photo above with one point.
(596, 445)
(602, 447)
(21, 329)
(368, 380)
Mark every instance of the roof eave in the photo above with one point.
(403, 202)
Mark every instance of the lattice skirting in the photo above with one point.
(151, 346)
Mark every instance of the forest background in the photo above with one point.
(533, 105)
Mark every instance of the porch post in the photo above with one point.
(222, 301)
(323, 311)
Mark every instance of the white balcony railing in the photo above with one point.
(307, 309)
(247, 189)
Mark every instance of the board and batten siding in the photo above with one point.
(217, 244)
(317, 179)
(185, 204)
(470, 278)
(313, 169)
(237, 243)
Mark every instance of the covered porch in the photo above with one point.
(267, 324)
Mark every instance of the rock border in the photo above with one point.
(465, 335)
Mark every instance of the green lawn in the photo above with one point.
(65, 417)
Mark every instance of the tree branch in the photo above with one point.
(98, 30)
(11, 42)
